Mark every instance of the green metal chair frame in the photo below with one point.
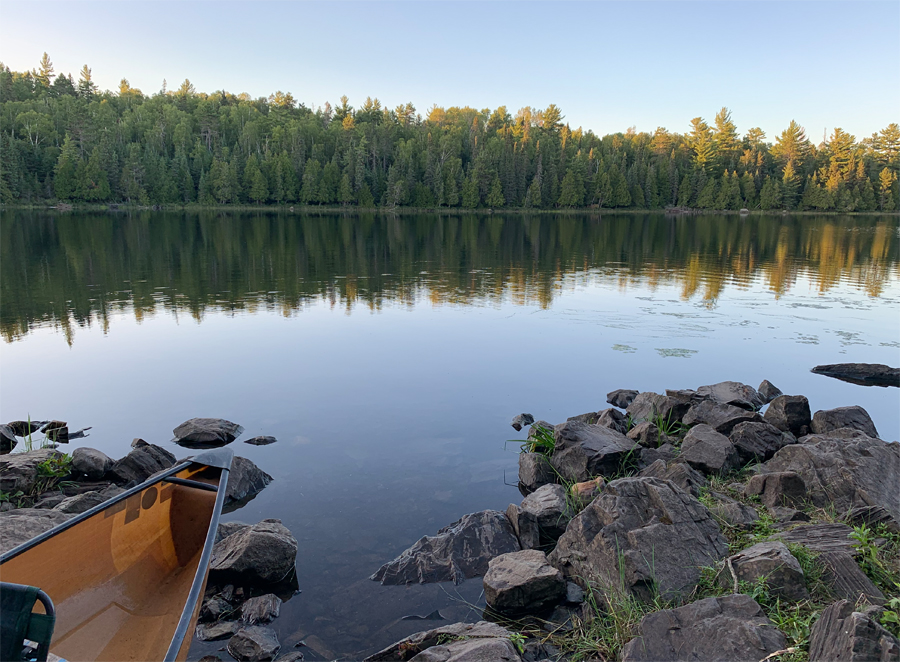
(18, 623)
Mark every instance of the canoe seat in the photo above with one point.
(24, 635)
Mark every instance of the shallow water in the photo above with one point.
(388, 354)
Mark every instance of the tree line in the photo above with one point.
(65, 140)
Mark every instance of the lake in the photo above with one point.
(388, 354)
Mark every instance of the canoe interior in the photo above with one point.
(120, 579)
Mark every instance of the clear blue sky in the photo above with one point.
(608, 65)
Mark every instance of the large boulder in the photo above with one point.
(723, 418)
(584, 451)
(789, 413)
(535, 470)
(141, 463)
(649, 406)
(90, 463)
(733, 628)
(774, 563)
(523, 582)
(262, 553)
(621, 397)
(245, 480)
(845, 473)
(254, 643)
(644, 532)
(733, 393)
(19, 526)
(206, 432)
(865, 374)
(458, 642)
(459, 551)
(19, 471)
(759, 441)
(680, 473)
(709, 451)
(855, 418)
(550, 509)
(850, 636)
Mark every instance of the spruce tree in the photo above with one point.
(495, 196)
(65, 184)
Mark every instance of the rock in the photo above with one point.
(607, 418)
(789, 413)
(820, 537)
(53, 425)
(215, 608)
(584, 451)
(23, 524)
(872, 517)
(535, 470)
(19, 472)
(732, 512)
(245, 480)
(260, 441)
(768, 391)
(656, 534)
(50, 500)
(856, 418)
(722, 417)
(649, 406)
(227, 528)
(550, 509)
(773, 562)
(647, 435)
(80, 503)
(91, 463)
(295, 656)
(254, 644)
(621, 397)
(206, 432)
(865, 374)
(757, 442)
(574, 593)
(459, 551)
(57, 435)
(583, 493)
(264, 552)
(844, 473)
(213, 631)
(666, 453)
(141, 463)
(8, 439)
(24, 428)
(521, 420)
(786, 515)
(784, 488)
(708, 451)
(846, 580)
(732, 628)
(422, 642)
(523, 582)
(680, 473)
(733, 393)
(850, 636)
(261, 609)
(525, 526)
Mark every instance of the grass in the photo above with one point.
(51, 471)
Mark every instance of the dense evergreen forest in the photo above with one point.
(66, 140)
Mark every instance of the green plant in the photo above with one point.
(667, 426)
(890, 619)
(51, 471)
(518, 640)
(540, 440)
(873, 559)
(17, 498)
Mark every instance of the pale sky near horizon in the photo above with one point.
(608, 65)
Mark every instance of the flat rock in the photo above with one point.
(535, 470)
(523, 582)
(681, 474)
(733, 393)
(864, 374)
(261, 609)
(789, 413)
(722, 417)
(709, 451)
(80, 503)
(768, 391)
(19, 472)
(550, 509)
(621, 397)
(23, 524)
(264, 552)
(653, 532)
(846, 580)
(206, 432)
(260, 441)
(254, 643)
(757, 442)
(584, 451)
(459, 551)
(214, 631)
(90, 463)
(732, 512)
(421, 642)
(783, 488)
(773, 562)
(732, 628)
(843, 634)
(855, 418)
(141, 463)
(820, 537)
(245, 480)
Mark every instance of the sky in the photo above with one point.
(608, 65)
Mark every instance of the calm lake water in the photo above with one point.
(388, 355)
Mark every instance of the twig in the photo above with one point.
(734, 577)
(777, 653)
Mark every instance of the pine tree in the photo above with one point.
(790, 182)
(93, 182)
(309, 193)
(65, 184)
(707, 197)
(886, 179)
(685, 192)
(470, 197)
(572, 190)
(345, 194)
(495, 196)
(44, 71)
(86, 86)
(770, 195)
(365, 198)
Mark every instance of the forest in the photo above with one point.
(65, 140)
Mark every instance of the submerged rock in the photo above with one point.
(254, 644)
(264, 553)
(206, 432)
(864, 374)
(261, 609)
(245, 480)
(260, 441)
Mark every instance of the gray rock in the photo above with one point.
(709, 451)
(648, 529)
(846, 580)
(53, 425)
(459, 551)
(865, 374)
(649, 406)
(732, 512)
(757, 442)
(91, 463)
(855, 418)
(850, 636)
(50, 500)
(260, 441)
(647, 435)
(786, 515)
(872, 517)
(23, 524)
(80, 503)
(768, 391)
(773, 562)
(264, 552)
(24, 428)
(820, 537)
(227, 528)
(206, 432)
(621, 397)
(521, 420)
(666, 453)
(722, 417)
(574, 593)
(607, 418)
(525, 526)
(254, 644)
(523, 582)
(261, 609)
(421, 642)
(480, 650)
(784, 488)
(535, 470)
(844, 473)
(8, 439)
(550, 509)
(214, 631)
(789, 413)
(141, 463)
(18, 471)
(584, 451)
(214, 608)
(680, 473)
(733, 628)
(733, 393)
(245, 480)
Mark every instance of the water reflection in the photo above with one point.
(77, 270)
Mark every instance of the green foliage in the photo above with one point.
(540, 440)
(51, 471)
(879, 562)
(890, 619)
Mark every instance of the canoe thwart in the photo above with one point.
(187, 482)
